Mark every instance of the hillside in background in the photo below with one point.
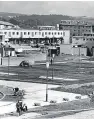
(28, 21)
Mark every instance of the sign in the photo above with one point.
(47, 65)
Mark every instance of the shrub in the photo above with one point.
(36, 104)
(53, 101)
(65, 99)
(78, 97)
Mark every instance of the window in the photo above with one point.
(45, 33)
(5, 32)
(13, 33)
(32, 33)
(84, 39)
(49, 33)
(24, 33)
(52, 33)
(17, 33)
(55, 33)
(28, 33)
(58, 33)
(35, 33)
(63, 33)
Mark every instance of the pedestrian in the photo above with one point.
(18, 107)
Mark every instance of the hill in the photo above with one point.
(28, 21)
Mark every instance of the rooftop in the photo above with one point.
(6, 23)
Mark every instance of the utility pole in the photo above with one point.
(47, 66)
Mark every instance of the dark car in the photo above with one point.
(25, 64)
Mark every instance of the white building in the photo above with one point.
(36, 34)
(46, 27)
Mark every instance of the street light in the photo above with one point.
(47, 66)
(8, 62)
(53, 55)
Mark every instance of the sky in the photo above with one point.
(71, 8)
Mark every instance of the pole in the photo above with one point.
(79, 58)
(1, 60)
(52, 67)
(8, 64)
(47, 86)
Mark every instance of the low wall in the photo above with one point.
(66, 48)
(15, 61)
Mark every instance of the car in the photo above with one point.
(25, 64)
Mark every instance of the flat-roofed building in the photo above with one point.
(46, 27)
(21, 35)
(76, 27)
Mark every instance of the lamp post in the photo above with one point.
(53, 55)
(47, 66)
(8, 62)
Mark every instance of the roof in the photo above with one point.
(6, 23)
(46, 26)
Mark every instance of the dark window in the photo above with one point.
(58, 33)
(45, 33)
(5, 32)
(28, 33)
(13, 33)
(24, 33)
(55, 33)
(63, 33)
(17, 33)
(49, 33)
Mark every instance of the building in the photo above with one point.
(20, 36)
(86, 41)
(46, 27)
(76, 27)
(6, 25)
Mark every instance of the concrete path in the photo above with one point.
(34, 93)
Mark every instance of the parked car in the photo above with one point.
(25, 64)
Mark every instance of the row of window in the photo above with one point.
(88, 34)
(36, 33)
(90, 39)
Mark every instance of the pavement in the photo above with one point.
(34, 93)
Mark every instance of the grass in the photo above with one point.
(84, 90)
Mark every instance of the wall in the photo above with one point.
(79, 51)
(66, 48)
(15, 61)
(78, 40)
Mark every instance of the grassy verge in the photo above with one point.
(84, 90)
